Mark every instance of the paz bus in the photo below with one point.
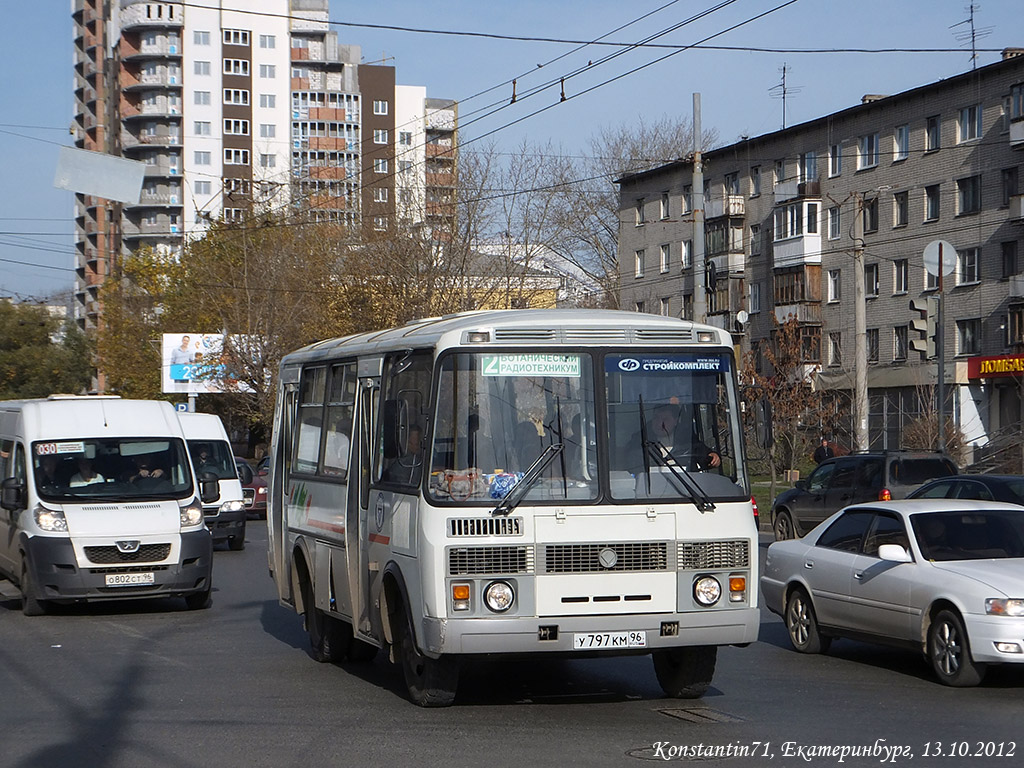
(520, 482)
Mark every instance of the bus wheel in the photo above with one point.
(329, 638)
(30, 606)
(431, 682)
(685, 673)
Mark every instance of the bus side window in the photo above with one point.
(406, 391)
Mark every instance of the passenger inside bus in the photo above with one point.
(87, 474)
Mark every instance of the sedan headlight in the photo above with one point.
(192, 514)
(232, 506)
(707, 590)
(50, 519)
(1005, 606)
(262, 490)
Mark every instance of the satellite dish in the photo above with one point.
(742, 316)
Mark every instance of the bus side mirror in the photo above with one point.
(12, 497)
(209, 487)
(395, 425)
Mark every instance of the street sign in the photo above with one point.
(932, 258)
(181, 407)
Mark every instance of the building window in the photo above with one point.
(732, 183)
(901, 143)
(1007, 185)
(968, 195)
(870, 279)
(237, 186)
(900, 209)
(380, 107)
(380, 223)
(686, 257)
(201, 38)
(1009, 249)
(835, 160)
(201, 98)
(664, 307)
(268, 100)
(872, 345)
(201, 68)
(268, 41)
(899, 342)
(664, 205)
(686, 313)
(932, 134)
(755, 239)
(867, 157)
(812, 218)
(1015, 327)
(236, 67)
(834, 285)
(931, 282)
(789, 286)
(789, 221)
(236, 37)
(835, 348)
(640, 306)
(380, 194)
(968, 336)
(687, 198)
(755, 181)
(201, 158)
(931, 202)
(268, 71)
(870, 209)
(639, 212)
(405, 138)
(201, 128)
(638, 263)
(835, 225)
(268, 161)
(968, 127)
(969, 266)
(380, 136)
(236, 156)
(664, 258)
(202, 187)
(779, 172)
(268, 130)
(900, 276)
(404, 165)
(380, 165)
(236, 96)
(755, 298)
(807, 166)
(236, 127)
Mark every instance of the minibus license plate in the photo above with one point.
(594, 641)
(130, 579)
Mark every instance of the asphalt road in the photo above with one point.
(151, 684)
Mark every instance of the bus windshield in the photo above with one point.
(70, 471)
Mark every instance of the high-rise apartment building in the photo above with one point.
(233, 104)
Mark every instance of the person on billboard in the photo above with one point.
(182, 355)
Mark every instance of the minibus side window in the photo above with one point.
(6, 463)
(406, 393)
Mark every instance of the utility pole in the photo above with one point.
(699, 271)
(860, 352)
(940, 341)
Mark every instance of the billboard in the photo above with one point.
(196, 363)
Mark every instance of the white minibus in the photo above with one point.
(99, 502)
(210, 451)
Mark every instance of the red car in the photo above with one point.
(254, 490)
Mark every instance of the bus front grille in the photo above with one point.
(485, 526)
(596, 558)
(705, 555)
(147, 553)
(476, 561)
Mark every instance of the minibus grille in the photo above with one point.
(476, 561)
(704, 555)
(147, 553)
(485, 526)
(620, 556)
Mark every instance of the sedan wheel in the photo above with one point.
(950, 653)
(802, 624)
(783, 526)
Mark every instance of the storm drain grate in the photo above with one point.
(701, 715)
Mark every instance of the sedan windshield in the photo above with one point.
(70, 471)
(970, 535)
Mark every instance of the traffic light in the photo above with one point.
(924, 324)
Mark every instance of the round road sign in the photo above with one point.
(939, 258)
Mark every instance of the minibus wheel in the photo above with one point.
(30, 606)
(431, 682)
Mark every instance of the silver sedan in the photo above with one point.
(943, 576)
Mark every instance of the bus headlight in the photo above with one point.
(50, 519)
(707, 590)
(192, 514)
(499, 596)
(232, 506)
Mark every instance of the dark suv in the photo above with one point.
(859, 477)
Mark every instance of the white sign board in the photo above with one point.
(195, 363)
(939, 258)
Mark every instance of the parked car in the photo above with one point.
(944, 576)
(852, 479)
(1008, 488)
(254, 490)
(263, 468)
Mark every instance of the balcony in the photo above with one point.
(1017, 286)
(792, 190)
(142, 16)
(439, 150)
(732, 263)
(130, 141)
(804, 312)
(1017, 133)
(797, 251)
(1017, 208)
(730, 205)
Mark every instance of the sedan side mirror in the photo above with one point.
(12, 497)
(209, 487)
(801, 484)
(894, 553)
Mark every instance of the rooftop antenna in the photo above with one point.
(782, 91)
(973, 35)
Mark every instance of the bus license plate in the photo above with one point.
(129, 579)
(594, 641)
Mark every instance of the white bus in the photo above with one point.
(516, 482)
(99, 501)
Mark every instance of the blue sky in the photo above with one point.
(36, 104)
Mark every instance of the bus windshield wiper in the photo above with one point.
(665, 457)
(518, 491)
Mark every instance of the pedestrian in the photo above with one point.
(823, 451)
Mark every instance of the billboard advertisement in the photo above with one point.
(196, 363)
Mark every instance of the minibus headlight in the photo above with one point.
(50, 519)
(232, 506)
(191, 515)
(499, 596)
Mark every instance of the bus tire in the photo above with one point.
(685, 673)
(30, 605)
(431, 682)
(329, 638)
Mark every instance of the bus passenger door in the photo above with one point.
(277, 523)
(358, 513)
